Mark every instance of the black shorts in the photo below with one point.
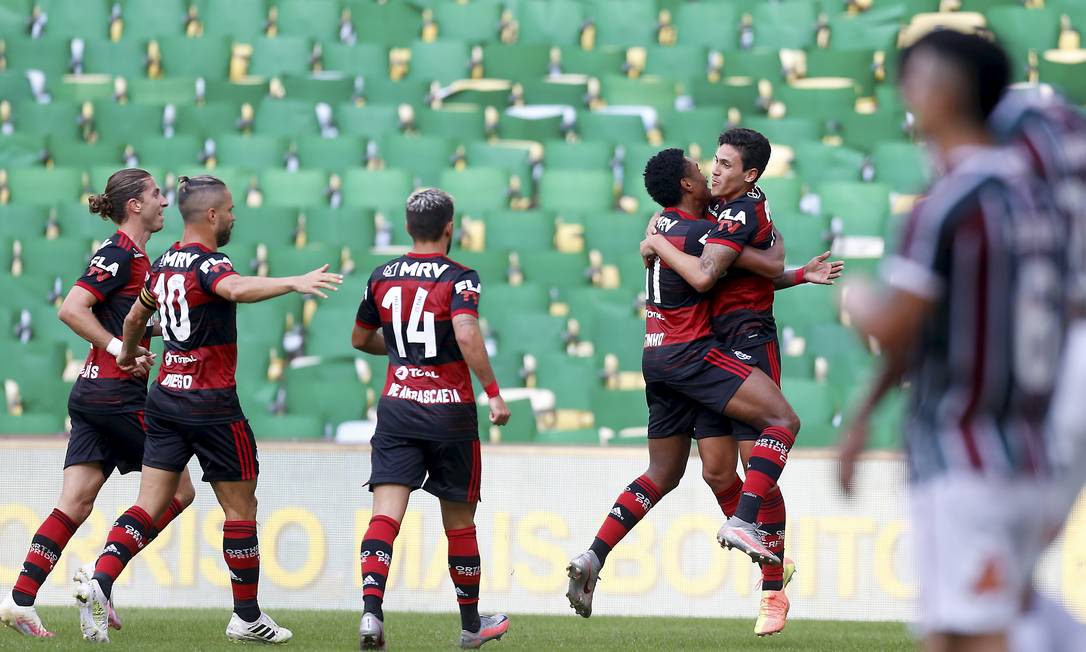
(767, 357)
(227, 451)
(113, 440)
(450, 470)
(691, 403)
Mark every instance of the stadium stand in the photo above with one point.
(536, 115)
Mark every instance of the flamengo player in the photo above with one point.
(106, 403)
(692, 387)
(193, 406)
(974, 312)
(743, 324)
(422, 310)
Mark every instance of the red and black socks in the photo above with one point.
(45, 549)
(767, 460)
(241, 550)
(376, 559)
(131, 532)
(465, 570)
(729, 498)
(772, 518)
(173, 510)
(628, 510)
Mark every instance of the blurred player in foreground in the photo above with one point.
(193, 407)
(974, 314)
(106, 403)
(422, 310)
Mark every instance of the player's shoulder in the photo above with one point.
(118, 246)
(979, 172)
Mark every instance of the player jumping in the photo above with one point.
(691, 385)
(106, 403)
(422, 311)
(193, 407)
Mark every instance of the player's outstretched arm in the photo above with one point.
(854, 440)
(818, 270)
(76, 314)
(701, 273)
(251, 289)
(368, 340)
(768, 263)
(470, 340)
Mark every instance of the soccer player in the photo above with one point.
(742, 320)
(106, 403)
(692, 386)
(422, 310)
(973, 313)
(193, 406)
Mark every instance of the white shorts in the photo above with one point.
(1067, 423)
(977, 540)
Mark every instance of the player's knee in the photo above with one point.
(785, 418)
(665, 476)
(718, 479)
(78, 509)
(186, 493)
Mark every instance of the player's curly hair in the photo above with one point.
(122, 186)
(663, 174)
(981, 64)
(753, 147)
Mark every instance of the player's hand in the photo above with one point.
(823, 272)
(144, 364)
(131, 363)
(848, 452)
(648, 251)
(650, 228)
(317, 280)
(499, 412)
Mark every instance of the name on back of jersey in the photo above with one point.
(177, 258)
(424, 396)
(415, 268)
(665, 224)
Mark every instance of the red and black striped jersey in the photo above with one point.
(742, 302)
(115, 275)
(989, 250)
(199, 331)
(428, 392)
(676, 315)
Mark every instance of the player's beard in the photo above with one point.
(222, 237)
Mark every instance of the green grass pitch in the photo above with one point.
(164, 630)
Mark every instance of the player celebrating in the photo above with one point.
(193, 407)
(974, 313)
(106, 403)
(422, 310)
(691, 385)
(743, 324)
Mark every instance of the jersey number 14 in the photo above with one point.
(420, 323)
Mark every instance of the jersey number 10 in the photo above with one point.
(170, 290)
(420, 324)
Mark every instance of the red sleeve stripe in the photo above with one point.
(465, 311)
(726, 243)
(93, 290)
(369, 327)
(215, 283)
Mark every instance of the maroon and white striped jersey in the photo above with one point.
(987, 247)
(428, 392)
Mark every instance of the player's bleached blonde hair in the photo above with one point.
(428, 211)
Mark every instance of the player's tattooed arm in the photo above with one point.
(470, 340)
(76, 313)
(368, 340)
(701, 273)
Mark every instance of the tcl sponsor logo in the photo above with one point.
(176, 359)
(177, 381)
(403, 373)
